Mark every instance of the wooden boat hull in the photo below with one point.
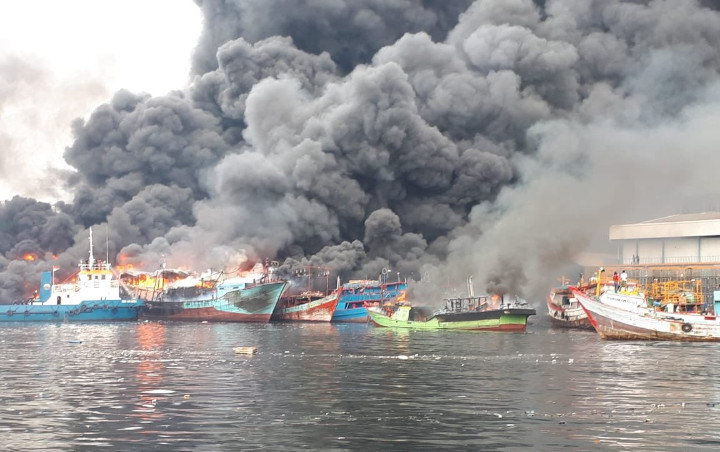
(320, 310)
(350, 315)
(566, 315)
(86, 311)
(510, 319)
(253, 304)
(612, 323)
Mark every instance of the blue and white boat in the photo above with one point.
(94, 295)
(356, 296)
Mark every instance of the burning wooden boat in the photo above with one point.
(92, 295)
(306, 307)
(301, 302)
(356, 296)
(211, 298)
(471, 313)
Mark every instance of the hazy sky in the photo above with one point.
(60, 60)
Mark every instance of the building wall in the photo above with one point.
(671, 250)
(680, 250)
(710, 249)
(650, 251)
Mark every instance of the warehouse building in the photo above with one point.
(674, 240)
(678, 247)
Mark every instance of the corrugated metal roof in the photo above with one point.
(705, 224)
(686, 217)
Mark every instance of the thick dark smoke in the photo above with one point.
(433, 140)
(351, 31)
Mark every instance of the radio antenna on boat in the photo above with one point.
(107, 245)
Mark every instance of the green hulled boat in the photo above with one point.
(472, 313)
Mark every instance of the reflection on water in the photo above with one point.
(180, 386)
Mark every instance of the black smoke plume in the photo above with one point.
(433, 140)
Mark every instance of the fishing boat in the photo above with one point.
(636, 321)
(470, 313)
(92, 295)
(564, 310)
(306, 307)
(213, 299)
(356, 296)
(307, 297)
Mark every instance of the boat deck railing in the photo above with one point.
(96, 265)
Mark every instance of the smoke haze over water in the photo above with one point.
(443, 139)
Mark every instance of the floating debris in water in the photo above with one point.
(75, 341)
(159, 391)
(247, 350)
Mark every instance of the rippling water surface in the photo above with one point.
(180, 386)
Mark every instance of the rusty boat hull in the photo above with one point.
(249, 304)
(298, 309)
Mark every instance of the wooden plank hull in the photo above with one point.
(254, 304)
(320, 310)
(612, 322)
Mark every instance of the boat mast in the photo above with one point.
(91, 260)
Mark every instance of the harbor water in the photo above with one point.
(154, 386)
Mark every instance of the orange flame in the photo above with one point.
(29, 257)
(125, 268)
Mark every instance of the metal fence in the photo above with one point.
(709, 277)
